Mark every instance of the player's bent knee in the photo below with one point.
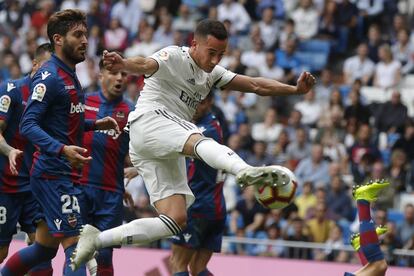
(4, 251)
(381, 267)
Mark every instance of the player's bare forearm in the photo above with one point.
(140, 65)
(5, 148)
(269, 87)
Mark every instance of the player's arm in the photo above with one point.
(43, 94)
(136, 65)
(269, 87)
(6, 111)
(102, 124)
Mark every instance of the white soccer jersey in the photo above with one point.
(178, 85)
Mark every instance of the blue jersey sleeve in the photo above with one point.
(89, 125)
(44, 91)
(8, 100)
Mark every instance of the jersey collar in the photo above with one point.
(63, 65)
(105, 100)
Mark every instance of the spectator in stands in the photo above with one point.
(406, 141)
(324, 86)
(399, 172)
(294, 123)
(249, 210)
(255, 57)
(271, 70)
(311, 110)
(388, 70)
(298, 234)
(164, 34)
(390, 242)
(333, 107)
(359, 66)
(333, 149)
(287, 33)
(393, 115)
(306, 199)
(403, 51)
(356, 110)
(332, 252)
(279, 150)
(288, 60)
(328, 22)
(298, 149)
(274, 234)
(259, 157)
(363, 145)
(115, 37)
(399, 23)
(146, 46)
(306, 20)
(185, 21)
(320, 226)
(369, 12)
(339, 201)
(268, 130)
(246, 138)
(406, 228)
(82, 5)
(236, 65)
(374, 41)
(41, 16)
(269, 29)
(313, 168)
(347, 19)
(129, 13)
(236, 13)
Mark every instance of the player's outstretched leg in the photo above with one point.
(139, 231)
(223, 158)
(356, 242)
(369, 244)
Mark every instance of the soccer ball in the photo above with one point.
(277, 197)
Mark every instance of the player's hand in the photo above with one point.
(128, 200)
(112, 61)
(305, 83)
(74, 155)
(130, 173)
(14, 155)
(107, 123)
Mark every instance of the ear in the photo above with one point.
(58, 39)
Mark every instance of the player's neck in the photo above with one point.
(193, 56)
(108, 96)
(65, 60)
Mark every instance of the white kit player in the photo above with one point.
(177, 79)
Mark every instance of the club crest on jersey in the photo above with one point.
(163, 55)
(5, 103)
(39, 92)
(72, 220)
(10, 86)
(120, 114)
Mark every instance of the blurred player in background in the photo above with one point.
(206, 216)
(366, 242)
(178, 79)
(54, 122)
(102, 179)
(17, 203)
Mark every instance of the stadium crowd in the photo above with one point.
(357, 123)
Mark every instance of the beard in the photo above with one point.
(70, 53)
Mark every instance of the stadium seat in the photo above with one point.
(375, 94)
(315, 46)
(313, 60)
(395, 216)
(407, 97)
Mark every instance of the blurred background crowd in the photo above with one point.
(356, 124)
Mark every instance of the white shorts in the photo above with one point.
(157, 139)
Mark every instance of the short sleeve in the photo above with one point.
(222, 76)
(167, 59)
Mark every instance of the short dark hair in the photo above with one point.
(43, 49)
(61, 22)
(211, 27)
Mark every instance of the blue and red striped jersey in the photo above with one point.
(205, 181)
(54, 117)
(13, 100)
(108, 149)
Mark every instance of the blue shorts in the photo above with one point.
(201, 233)
(19, 208)
(104, 209)
(61, 204)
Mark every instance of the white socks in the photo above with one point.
(219, 156)
(139, 231)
